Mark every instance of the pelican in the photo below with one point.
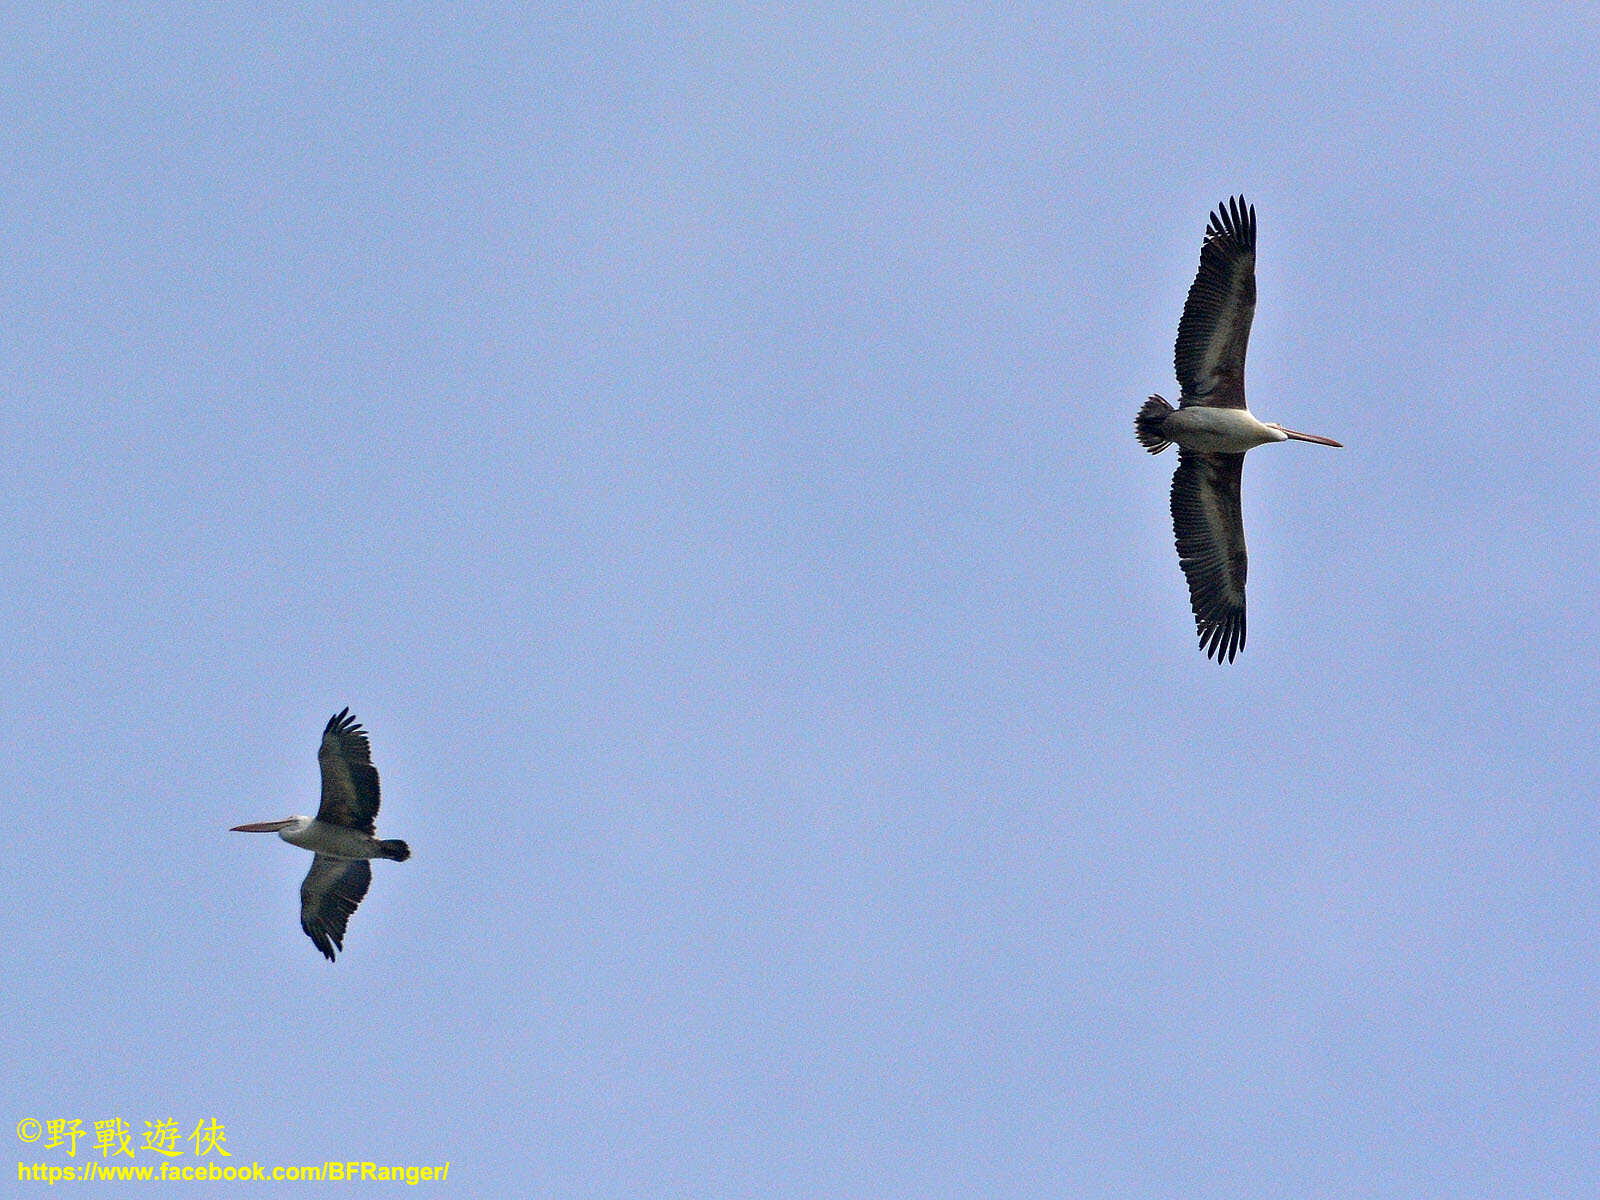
(341, 835)
(1213, 429)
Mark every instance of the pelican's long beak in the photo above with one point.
(263, 826)
(1311, 437)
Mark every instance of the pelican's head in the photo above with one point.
(279, 827)
(1285, 434)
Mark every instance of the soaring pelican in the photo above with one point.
(341, 835)
(1213, 428)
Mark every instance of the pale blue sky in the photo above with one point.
(697, 444)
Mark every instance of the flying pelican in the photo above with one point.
(341, 835)
(1213, 428)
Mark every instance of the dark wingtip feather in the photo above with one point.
(343, 723)
(325, 940)
(1234, 221)
(352, 737)
(1221, 638)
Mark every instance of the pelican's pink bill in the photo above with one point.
(1311, 437)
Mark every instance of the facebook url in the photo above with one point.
(363, 1172)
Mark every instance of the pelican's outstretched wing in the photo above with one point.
(349, 780)
(1209, 527)
(332, 890)
(1215, 329)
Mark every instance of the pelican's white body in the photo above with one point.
(331, 841)
(1218, 430)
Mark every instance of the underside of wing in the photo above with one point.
(349, 780)
(1215, 330)
(1209, 528)
(332, 890)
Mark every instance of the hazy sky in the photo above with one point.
(698, 445)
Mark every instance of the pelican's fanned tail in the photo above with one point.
(1147, 425)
